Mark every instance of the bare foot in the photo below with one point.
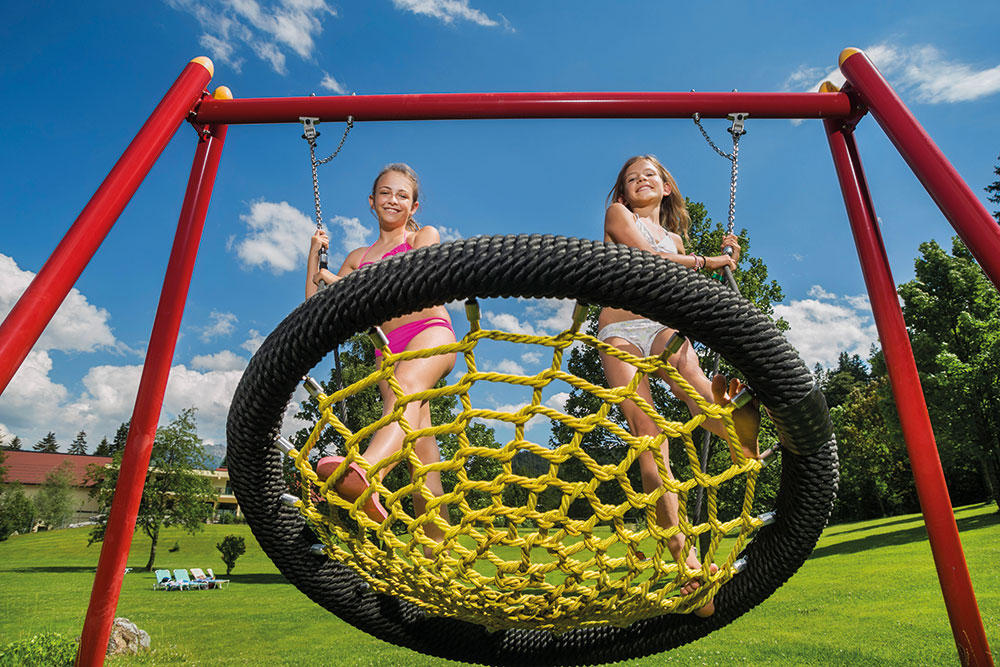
(693, 584)
(746, 419)
(351, 485)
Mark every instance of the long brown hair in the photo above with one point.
(405, 170)
(674, 215)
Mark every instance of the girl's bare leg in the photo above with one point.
(427, 451)
(746, 419)
(620, 374)
(415, 375)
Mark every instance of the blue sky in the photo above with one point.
(79, 79)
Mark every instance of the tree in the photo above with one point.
(994, 189)
(103, 448)
(79, 445)
(54, 502)
(14, 444)
(953, 314)
(875, 477)
(232, 547)
(17, 513)
(3, 468)
(47, 444)
(121, 436)
(837, 383)
(174, 493)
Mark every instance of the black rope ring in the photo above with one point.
(532, 266)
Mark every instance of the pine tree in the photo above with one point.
(104, 448)
(79, 445)
(47, 444)
(121, 436)
(14, 444)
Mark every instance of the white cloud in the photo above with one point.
(447, 11)
(353, 235)
(220, 361)
(331, 84)
(531, 358)
(541, 316)
(504, 366)
(920, 70)
(277, 237)
(77, 325)
(558, 401)
(449, 234)
(823, 327)
(253, 343)
(551, 315)
(508, 322)
(267, 29)
(30, 389)
(110, 395)
(222, 325)
(820, 293)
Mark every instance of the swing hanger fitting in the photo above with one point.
(739, 118)
(309, 130)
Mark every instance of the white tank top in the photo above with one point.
(665, 244)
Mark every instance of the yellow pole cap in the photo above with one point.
(223, 93)
(847, 53)
(205, 62)
(828, 87)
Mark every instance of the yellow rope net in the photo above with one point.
(522, 566)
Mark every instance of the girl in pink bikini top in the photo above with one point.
(394, 200)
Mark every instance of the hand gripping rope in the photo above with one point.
(543, 267)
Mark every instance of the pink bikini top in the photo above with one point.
(402, 247)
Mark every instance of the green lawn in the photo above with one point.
(867, 596)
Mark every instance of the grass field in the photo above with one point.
(868, 596)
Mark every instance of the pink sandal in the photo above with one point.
(352, 485)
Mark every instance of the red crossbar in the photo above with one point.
(454, 106)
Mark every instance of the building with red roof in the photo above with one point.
(30, 468)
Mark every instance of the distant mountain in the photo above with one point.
(215, 454)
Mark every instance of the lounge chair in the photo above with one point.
(185, 581)
(199, 577)
(218, 582)
(165, 581)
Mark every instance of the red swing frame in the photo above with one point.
(866, 91)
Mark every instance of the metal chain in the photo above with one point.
(737, 131)
(310, 135)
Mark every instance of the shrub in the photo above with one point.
(17, 513)
(49, 649)
(232, 547)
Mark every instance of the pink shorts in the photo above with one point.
(401, 336)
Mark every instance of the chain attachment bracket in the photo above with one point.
(309, 131)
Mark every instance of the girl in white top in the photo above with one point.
(648, 212)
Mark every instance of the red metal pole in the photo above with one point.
(32, 312)
(967, 215)
(452, 106)
(946, 546)
(149, 400)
